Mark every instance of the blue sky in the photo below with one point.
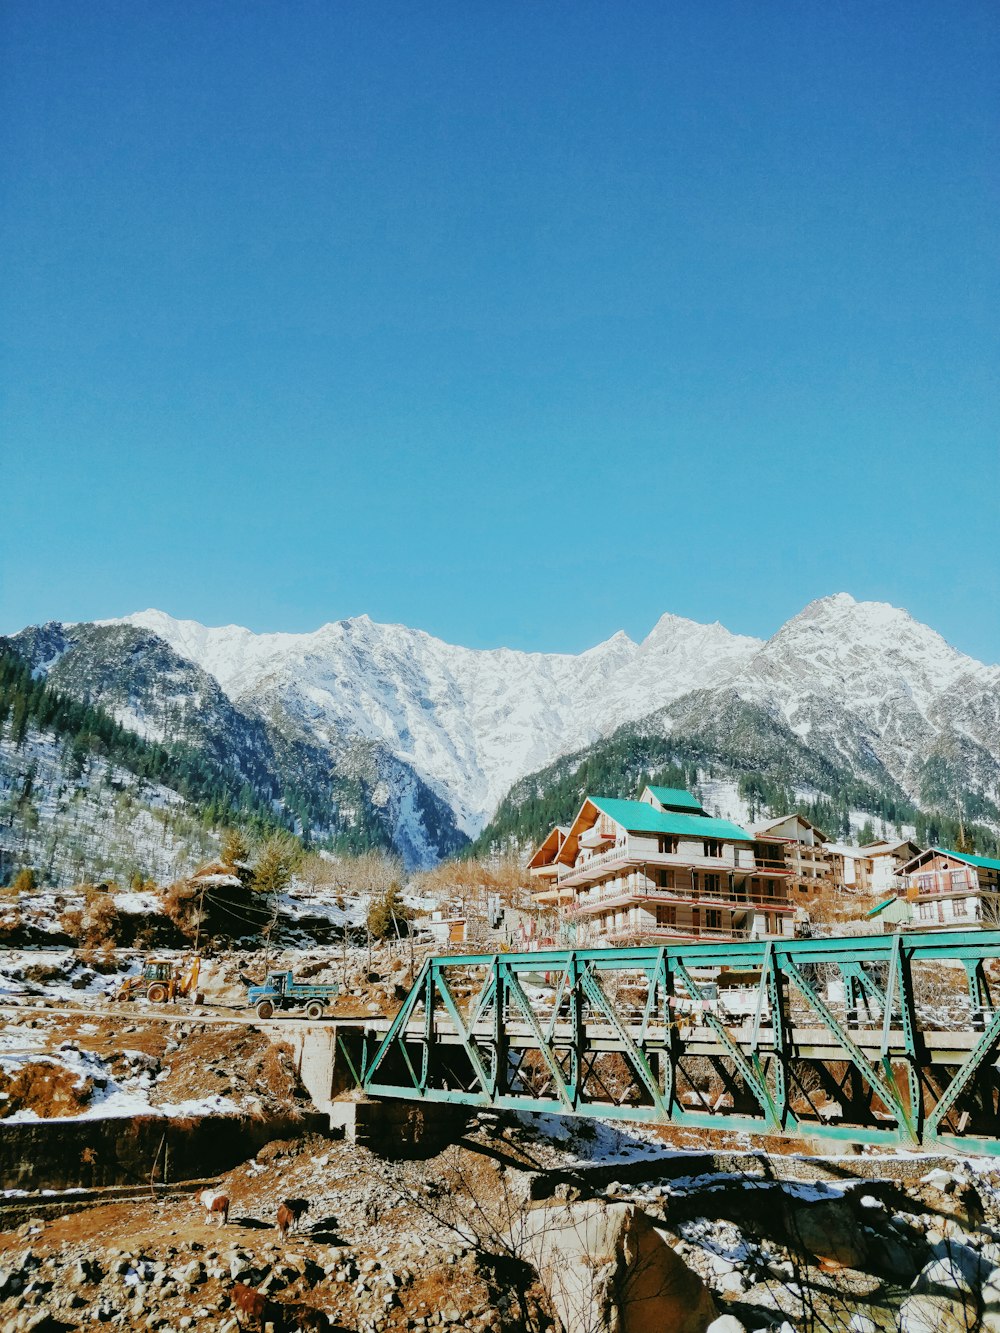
(519, 323)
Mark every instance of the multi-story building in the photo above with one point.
(883, 864)
(810, 867)
(661, 868)
(818, 864)
(952, 889)
(544, 868)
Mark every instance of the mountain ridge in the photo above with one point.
(419, 742)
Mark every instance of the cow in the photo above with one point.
(254, 1306)
(306, 1319)
(215, 1205)
(290, 1212)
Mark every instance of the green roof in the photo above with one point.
(677, 798)
(638, 817)
(875, 910)
(983, 862)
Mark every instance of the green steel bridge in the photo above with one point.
(884, 1039)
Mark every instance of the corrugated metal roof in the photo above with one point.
(638, 817)
(677, 797)
(881, 906)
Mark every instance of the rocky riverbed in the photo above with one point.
(514, 1229)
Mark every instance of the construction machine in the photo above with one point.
(161, 980)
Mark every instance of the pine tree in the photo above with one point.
(275, 863)
(235, 850)
(387, 913)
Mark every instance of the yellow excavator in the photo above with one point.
(162, 980)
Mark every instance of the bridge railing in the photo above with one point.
(839, 1038)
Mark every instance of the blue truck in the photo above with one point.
(281, 993)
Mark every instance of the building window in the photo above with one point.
(712, 883)
(666, 916)
(664, 879)
(712, 846)
(667, 846)
(960, 907)
(713, 919)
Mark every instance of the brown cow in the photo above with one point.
(215, 1205)
(306, 1318)
(290, 1212)
(255, 1306)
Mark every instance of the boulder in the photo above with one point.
(607, 1267)
(944, 1277)
(829, 1231)
(862, 1323)
(990, 1296)
(893, 1258)
(925, 1313)
(939, 1179)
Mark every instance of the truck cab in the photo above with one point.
(269, 995)
(276, 984)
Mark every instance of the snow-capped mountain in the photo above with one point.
(862, 682)
(343, 786)
(359, 721)
(469, 722)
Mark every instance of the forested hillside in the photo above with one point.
(740, 760)
(84, 796)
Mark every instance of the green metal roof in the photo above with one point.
(677, 798)
(983, 862)
(638, 817)
(881, 906)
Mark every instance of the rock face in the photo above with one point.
(990, 1297)
(829, 1231)
(924, 1313)
(944, 1298)
(607, 1267)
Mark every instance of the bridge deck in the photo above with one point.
(645, 1033)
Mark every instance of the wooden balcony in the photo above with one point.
(664, 934)
(636, 857)
(589, 903)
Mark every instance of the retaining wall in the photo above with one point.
(69, 1153)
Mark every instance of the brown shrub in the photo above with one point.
(71, 922)
(25, 881)
(101, 922)
(11, 927)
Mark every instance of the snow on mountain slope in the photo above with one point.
(862, 654)
(861, 682)
(470, 722)
(845, 674)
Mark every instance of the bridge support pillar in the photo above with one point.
(327, 1057)
(398, 1128)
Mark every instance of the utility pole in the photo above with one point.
(197, 920)
(267, 936)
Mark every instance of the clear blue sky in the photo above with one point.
(516, 322)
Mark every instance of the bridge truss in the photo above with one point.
(889, 1039)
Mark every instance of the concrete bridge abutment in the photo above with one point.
(328, 1062)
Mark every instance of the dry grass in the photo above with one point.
(45, 1088)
